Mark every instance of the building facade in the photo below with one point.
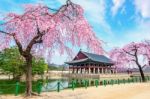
(89, 63)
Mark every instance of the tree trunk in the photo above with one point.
(28, 76)
(141, 72)
(140, 67)
(13, 75)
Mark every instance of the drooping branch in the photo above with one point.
(15, 39)
(58, 28)
(36, 39)
(128, 52)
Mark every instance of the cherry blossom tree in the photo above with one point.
(41, 29)
(147, 45)
(130, 54)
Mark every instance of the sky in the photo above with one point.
(116, 22)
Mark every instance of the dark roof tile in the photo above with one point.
(98, 58)
(92, 57)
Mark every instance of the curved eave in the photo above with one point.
(105, 63)
(77, 61)
(87, 60)
(109, 63)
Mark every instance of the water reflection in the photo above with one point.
(51, 84)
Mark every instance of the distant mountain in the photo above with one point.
(52, 64)
(57, 65)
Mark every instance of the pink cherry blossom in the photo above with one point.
(64, 26)
(130, 55)
(41, 30)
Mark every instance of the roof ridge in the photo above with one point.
(92, 53)
(85, 53)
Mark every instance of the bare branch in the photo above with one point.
(133, 60)
(15, 39)
(128, 52)
(5, 33)
(18, 44)
(36, 39)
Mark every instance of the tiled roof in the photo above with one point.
(92, 57)
(98, 58)
(77, 61)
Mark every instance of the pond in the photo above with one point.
(52, 84)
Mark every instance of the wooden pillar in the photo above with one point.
(77, 70)
(106, 70)
(89, 70)
(102, 70)
(94, 70)
(72, 69)
(115, 71)
(110, 70)
(98, 70)
(69, 69)
(84, 69)
(81, 70)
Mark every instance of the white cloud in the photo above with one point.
(117, 4)
(143, 8)
(142, 32)
(137, 34)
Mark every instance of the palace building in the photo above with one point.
(89, 63)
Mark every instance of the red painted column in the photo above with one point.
(73, 69)
(89, 69)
